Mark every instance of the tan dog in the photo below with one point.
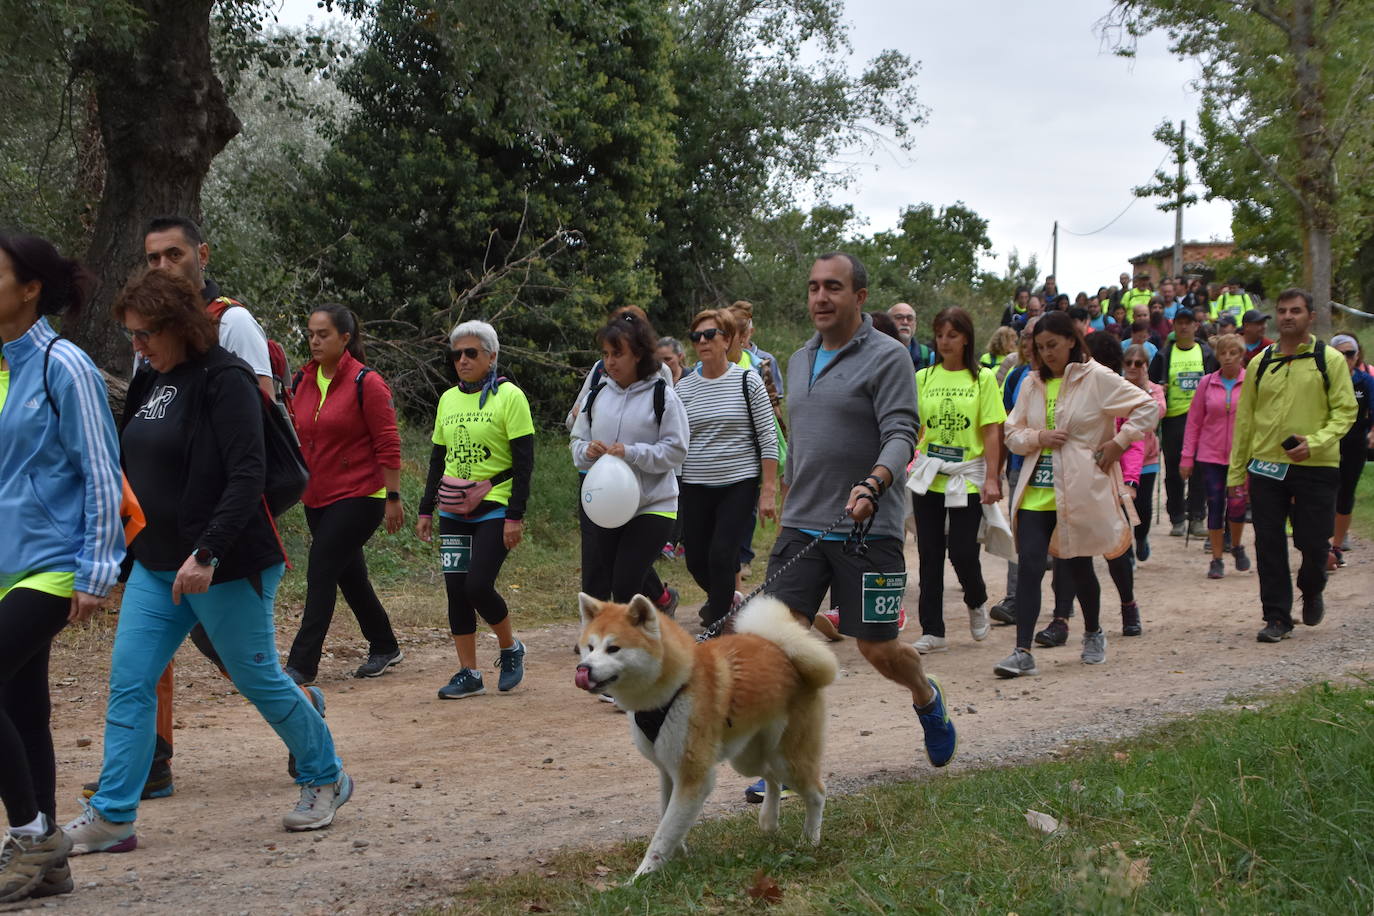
(752, 698)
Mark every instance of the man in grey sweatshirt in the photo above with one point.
(851, 406)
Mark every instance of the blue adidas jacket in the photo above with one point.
(60, 486)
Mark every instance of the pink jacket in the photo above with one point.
(1151, 442)
(1211, 421)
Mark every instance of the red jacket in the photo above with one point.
(345, 448)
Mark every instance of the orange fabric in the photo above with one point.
(131, 514)
(164, 704)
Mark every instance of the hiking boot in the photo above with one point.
(1130, 619)
(666, 552)
(1142, 549)
(1313, 610)
(316, 700)
(26, 860)
(1003, 612)
(1056, 634)
(668, 601)
(1178, 529)
(1197, 528)
(1242, 560)
(92, 833)
(1274, 631)
(319, 804)
(941, 738)
(1019, 663)
(466, 683)
(512, 665)
(754, 794)
(1216, 569)
(928, 644)
(159, 784)
(978, 623)
(56, 880)
(1094, 648)
(298, 678)
(376, 665)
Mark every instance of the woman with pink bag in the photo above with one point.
(479, 478)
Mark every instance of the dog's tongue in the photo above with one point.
(583, 678)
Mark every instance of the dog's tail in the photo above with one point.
(775, 622)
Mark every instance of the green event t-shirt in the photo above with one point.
(1040, 490)
(954, 409)
(1185, 371)
(477, 440)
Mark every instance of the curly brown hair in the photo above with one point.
(168, 304)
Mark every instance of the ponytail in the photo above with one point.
(65, 283)
(345, 322)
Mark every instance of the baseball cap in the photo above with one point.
(1227, 320)
(1254, 316)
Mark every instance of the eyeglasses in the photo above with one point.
(1349, 354)
(142, 335)
(1135, 362)
(708, 334)
(469, 352)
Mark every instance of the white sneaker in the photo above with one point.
(979, 623)
(927, 644)
(318, 805)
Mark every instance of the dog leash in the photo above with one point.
(854, 544)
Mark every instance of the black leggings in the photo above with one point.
(1033, 531)
(338, 532)
(1353, 454)
(712, 519)
(961, 543)
(653, 586)
(28, 771)
(616, 562)
(1145, 505)
(474, 592)
(1065, 589)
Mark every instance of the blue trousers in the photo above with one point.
(239, 622)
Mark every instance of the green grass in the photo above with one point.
(1251, 810)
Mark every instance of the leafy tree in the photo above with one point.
(1283, 84)
(464, 154)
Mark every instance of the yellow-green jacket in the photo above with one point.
(1292, 399)
(1133, 297)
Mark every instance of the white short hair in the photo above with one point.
(479, 329)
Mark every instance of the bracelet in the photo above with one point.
(879, 481)
(873, 492)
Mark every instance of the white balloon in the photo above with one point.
(610, 492)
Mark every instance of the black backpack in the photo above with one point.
(660, 395)
(285, 474)
(1317, 354)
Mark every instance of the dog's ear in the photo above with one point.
(589, 607)
(642, 613)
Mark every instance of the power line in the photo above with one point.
(1133, 202)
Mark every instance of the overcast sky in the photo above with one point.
(1031, 120)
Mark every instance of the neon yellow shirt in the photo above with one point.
(1185, 371)
(954, 409)
(1040, 491)
(60, 584)
(477, 439)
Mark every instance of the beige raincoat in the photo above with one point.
(1096, 510)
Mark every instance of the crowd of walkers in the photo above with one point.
(1042, 447)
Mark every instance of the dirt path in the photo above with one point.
(446, 790)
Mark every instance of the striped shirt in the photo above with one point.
(724, 429)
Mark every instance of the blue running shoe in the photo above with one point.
(466, 683)
(754, 794)
(942, 740)
(512, 665)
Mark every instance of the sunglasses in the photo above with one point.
(1135, 362)
(708, 334)
(1349, 354)
(142, 335)
(469, 352)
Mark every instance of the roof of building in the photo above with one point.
(1155, 255)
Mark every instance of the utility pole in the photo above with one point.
(1178, 211)
(1054, 251)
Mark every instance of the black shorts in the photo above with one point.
(827, 566)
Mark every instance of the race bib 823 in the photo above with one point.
(882, 596)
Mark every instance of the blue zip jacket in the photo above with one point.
(60, 488)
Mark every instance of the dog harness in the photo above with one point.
(650, 721)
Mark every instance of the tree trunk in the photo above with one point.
(1317, 269)
(164, 116)
(1316, 177)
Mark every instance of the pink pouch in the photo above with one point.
(462, 497)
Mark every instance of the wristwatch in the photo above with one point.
(393, 496)
(206, 557)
